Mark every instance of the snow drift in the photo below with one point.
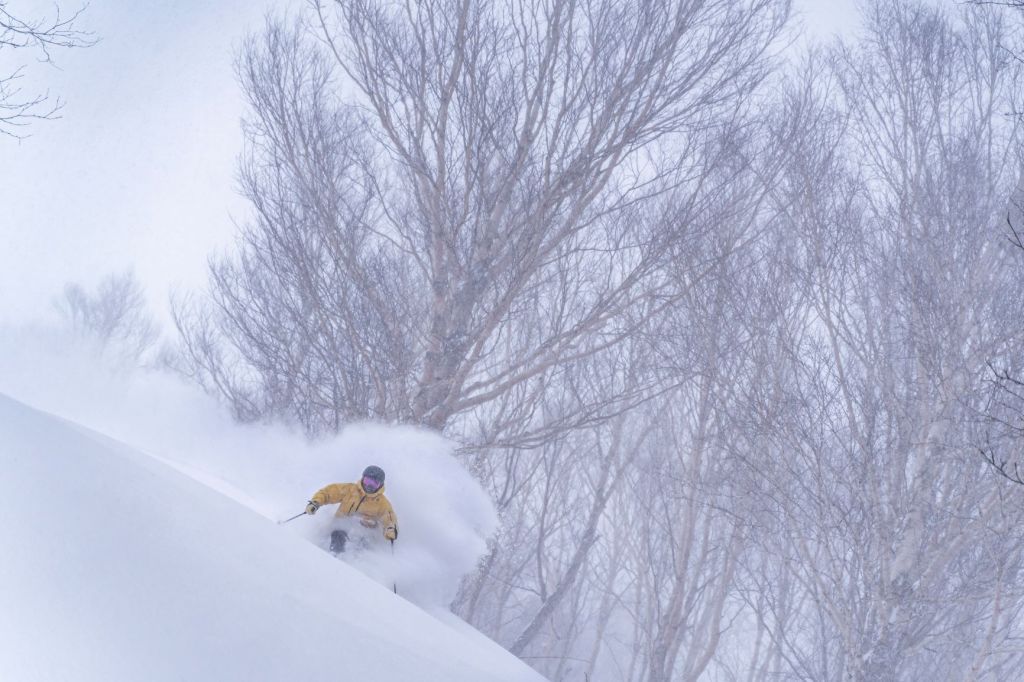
(117, 566)
(445, 517)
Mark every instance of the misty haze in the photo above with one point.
(582, 341)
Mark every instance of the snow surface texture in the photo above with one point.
(119, 567)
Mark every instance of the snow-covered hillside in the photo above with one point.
(117, 566)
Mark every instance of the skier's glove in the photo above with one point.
(391, 533)
(312, 507)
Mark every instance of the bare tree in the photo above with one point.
(115, 317)
(39, 36)
(484, 206)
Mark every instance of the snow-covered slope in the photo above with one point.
(116, 566)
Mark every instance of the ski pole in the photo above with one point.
(292, 518)
(394, 585)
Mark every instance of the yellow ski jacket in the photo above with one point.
(373, 509)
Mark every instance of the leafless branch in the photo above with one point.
(41, 36)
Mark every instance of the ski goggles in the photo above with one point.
(371, 485)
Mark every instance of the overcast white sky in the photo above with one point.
(139, 172)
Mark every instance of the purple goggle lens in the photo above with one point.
(370, 485)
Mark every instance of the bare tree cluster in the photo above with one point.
(714, 329)
(903, 556)
(114, 317)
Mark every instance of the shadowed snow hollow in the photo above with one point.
(119, 567)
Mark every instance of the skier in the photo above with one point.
(365, 499)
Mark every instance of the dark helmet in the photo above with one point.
(373, 479)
